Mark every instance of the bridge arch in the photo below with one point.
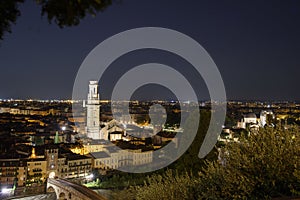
(50, 189)
(66, 190)
(62, 196)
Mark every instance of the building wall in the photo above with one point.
(62, 168)
(104, 163)
(12, 171)
(115, 136)
(123, 158)
(143, 158)
(36, 171)
(250, 120)
(78, 168)
(93, 111)
(88, 148)
(51, 156)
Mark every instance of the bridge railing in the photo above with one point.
(88, 193)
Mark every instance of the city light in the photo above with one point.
(52, 175)
(91, 176)
(6, 190)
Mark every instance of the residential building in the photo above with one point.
(12, 173)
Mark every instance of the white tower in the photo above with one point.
(93, 111)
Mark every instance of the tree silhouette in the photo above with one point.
(8, 14)
(61, 12)
(260, 166)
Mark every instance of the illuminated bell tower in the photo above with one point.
(93, 111)
(51, 155)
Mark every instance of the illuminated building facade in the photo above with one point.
(93, 111)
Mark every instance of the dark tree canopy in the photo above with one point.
(62, 12)
(8, 14)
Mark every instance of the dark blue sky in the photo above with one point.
(255, 44)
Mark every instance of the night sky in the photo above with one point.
(254, 43)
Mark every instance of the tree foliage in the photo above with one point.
(171, 185)
(70, 12)
(190, 161)
(8, 15)
(62, 12)
(260, 166)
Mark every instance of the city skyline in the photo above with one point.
(254, 44)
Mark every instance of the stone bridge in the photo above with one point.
(66, 190)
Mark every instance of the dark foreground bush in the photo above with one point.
(260, 166)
